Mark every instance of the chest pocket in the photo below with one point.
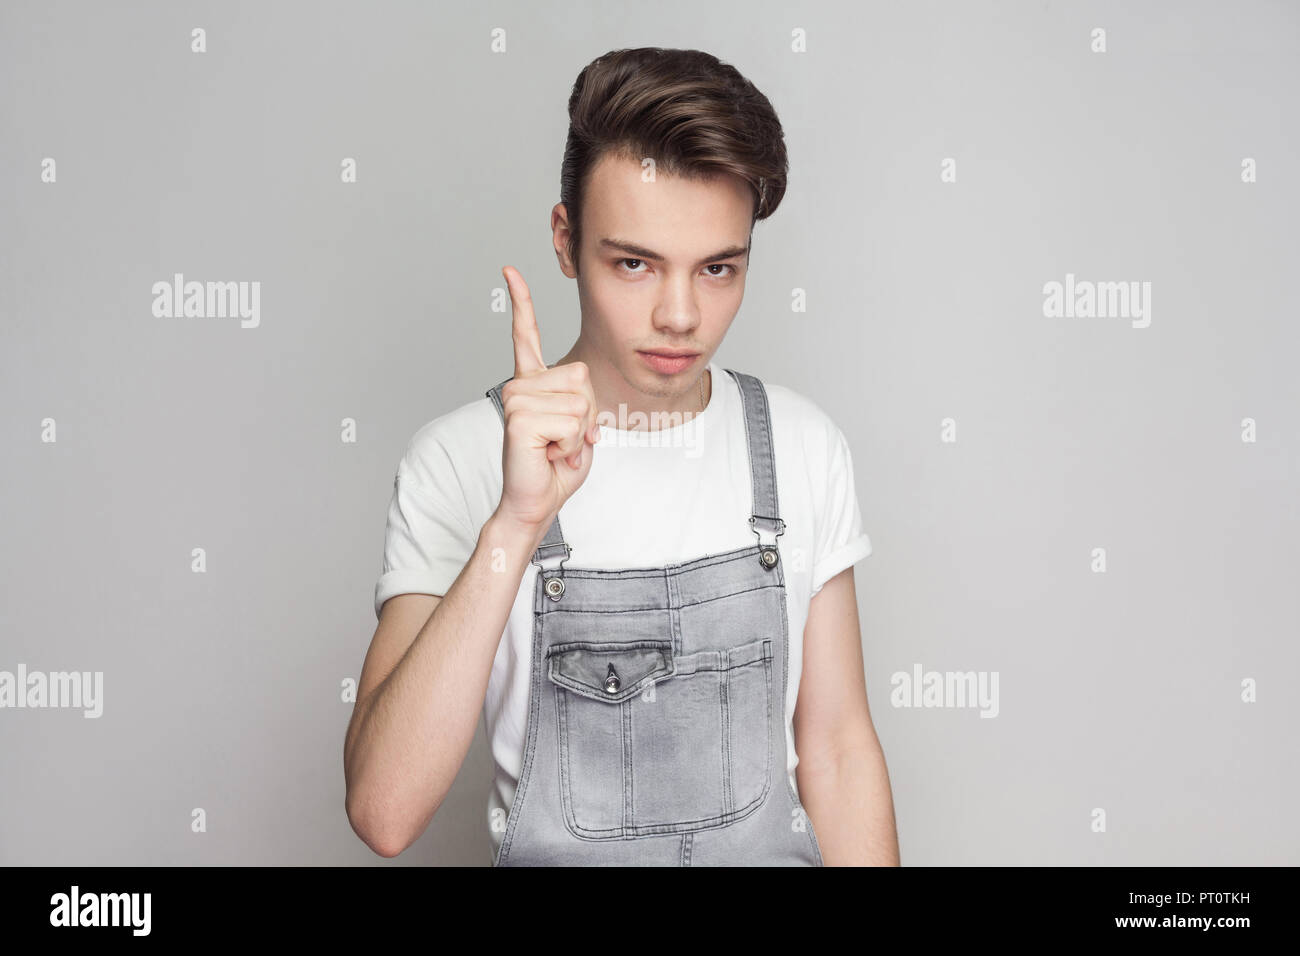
(653, 743)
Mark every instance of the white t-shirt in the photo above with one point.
(651, 498)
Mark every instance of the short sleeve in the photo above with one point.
(840, 540)
(427, 540)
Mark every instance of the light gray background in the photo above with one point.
(222, 690)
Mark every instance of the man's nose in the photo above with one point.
(677, 310)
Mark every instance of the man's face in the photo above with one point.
(663, 268)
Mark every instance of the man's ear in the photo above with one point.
(560, 234)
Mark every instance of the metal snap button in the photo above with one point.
(769, 557)
(611, 680)
(555, 587)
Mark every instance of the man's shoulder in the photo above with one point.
(466, 423)
(455, 440)
(800, 418)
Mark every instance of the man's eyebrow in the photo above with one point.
(641, 252)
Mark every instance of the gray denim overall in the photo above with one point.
(656, 724)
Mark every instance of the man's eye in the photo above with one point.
(629, 265)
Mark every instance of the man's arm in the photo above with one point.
(422, 687)
(843, 781)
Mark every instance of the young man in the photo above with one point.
(672, 673)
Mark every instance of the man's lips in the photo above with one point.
(668, 361)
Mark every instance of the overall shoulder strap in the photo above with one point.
(766, 518)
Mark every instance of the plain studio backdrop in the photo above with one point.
(1099, 510)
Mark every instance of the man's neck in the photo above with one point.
(612, 390)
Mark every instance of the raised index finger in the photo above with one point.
(527, 338)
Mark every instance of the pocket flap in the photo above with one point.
(610, 672)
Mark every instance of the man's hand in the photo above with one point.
(550, 423)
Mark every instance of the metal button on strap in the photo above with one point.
(611, 680)
(769, 557)
(555, 587)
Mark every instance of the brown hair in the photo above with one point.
(693, 114)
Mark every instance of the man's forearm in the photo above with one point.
(848, 799)
(413, 730)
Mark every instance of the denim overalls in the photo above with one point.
(656, 723)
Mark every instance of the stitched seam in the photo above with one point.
(562, 725)
(785, 774)
(629, 781)
(644, 644)
(704, 561)
(727, 667)
(659, 829)
(723, 597)
(749, 450)
(769, 441)
(728, 799)
(530, 746)
(709, 600)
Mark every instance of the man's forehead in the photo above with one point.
(670, 215)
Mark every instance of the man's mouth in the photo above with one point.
(668, 361)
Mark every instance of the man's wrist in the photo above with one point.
(519, 539)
